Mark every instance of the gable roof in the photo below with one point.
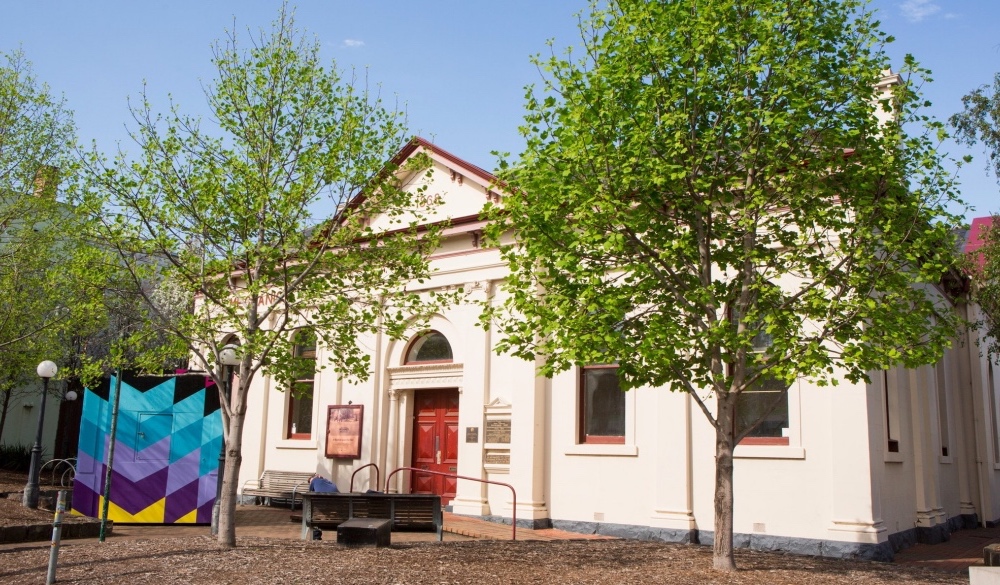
(459, 167)
(485, 178)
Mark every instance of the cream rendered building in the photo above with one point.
(855, 470)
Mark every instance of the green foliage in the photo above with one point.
(262, 219)
(701, 160)
(986, 289)
(36, 135)
(254, 219)
(980, 122)
(48, 269)
(678, 170)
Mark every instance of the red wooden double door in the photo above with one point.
(435, 442)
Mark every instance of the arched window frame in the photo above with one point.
(416, 344)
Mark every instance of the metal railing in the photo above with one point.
(513, 522)
(377, 476)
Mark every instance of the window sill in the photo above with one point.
(770, 441)
(295, 444)
(747, 451)
(945, 459)
(608, 449)
(893, 457)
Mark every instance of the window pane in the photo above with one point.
(430, 347)
(300, 403)
(301, 415)
(751, 404)
(604, 403)
(305, 344)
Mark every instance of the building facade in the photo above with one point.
(852, 470)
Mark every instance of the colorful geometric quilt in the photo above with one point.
(166, 450)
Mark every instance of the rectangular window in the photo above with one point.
(602, 412)
(768, 398)
(992, 391)
(300, 417)
(942, 396)
(300, 401)
(891, 413)
(765, 401)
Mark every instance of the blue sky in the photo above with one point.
(460, 66)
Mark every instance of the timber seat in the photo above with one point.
(278, 485)
(406, 512)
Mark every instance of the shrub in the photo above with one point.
(15, 457)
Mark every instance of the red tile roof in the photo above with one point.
(976, 238)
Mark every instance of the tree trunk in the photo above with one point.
(722, 546)
(230, 483)
(3, 410)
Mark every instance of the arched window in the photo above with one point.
(300, 401)
(429, 347)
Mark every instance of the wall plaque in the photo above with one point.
(497, 459)
(471, 434)
(497, 431)
(343, 431)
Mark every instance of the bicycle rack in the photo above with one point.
(55, 463)
(513, 522)
(377, 475)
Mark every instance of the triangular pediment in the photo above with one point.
(454, 190)
(498, 406)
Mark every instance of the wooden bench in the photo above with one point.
(279, 485)
(413, 512)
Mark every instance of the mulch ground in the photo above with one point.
(199, 560)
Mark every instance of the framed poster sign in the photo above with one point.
(343, 431)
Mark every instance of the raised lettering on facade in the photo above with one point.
(497, 459)
(497, 431)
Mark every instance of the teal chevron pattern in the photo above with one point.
(166, 450)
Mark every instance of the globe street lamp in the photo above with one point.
(45, 370)
(228, 359)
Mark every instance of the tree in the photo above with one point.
(229, 215)
(986, 286)
(708, 198)
(980, 122)
(43, 298)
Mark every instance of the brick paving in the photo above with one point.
(276, 522)
(962, 550)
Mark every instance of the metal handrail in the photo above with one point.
(377, 476)
(513, 522)
(55, 466)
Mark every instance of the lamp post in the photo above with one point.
(228, 359)
(45, 371)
